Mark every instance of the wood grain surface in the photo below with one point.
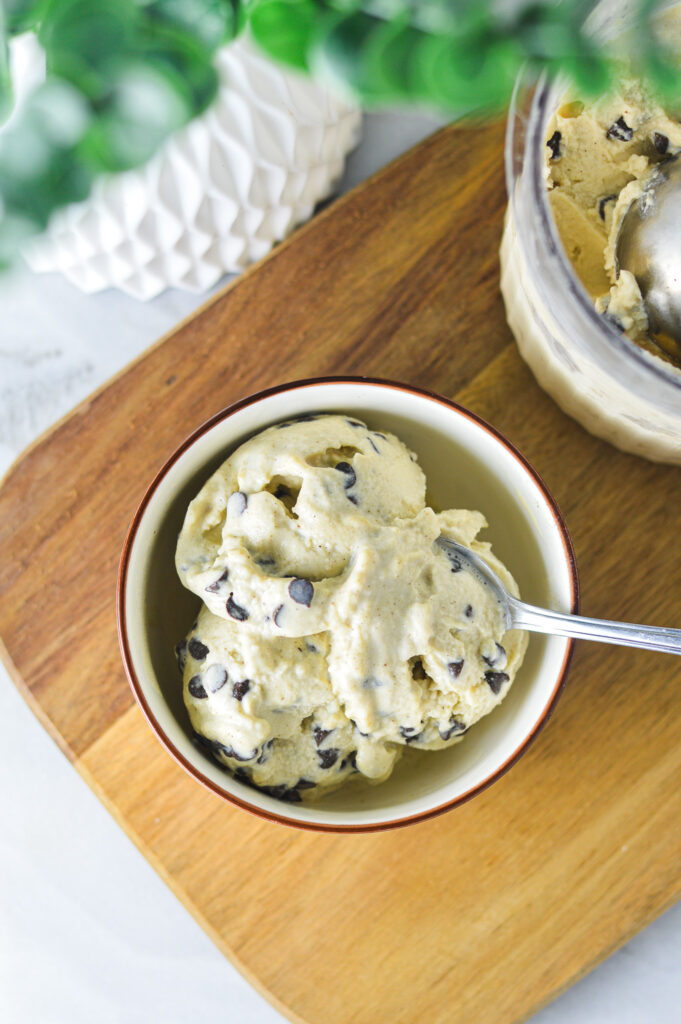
(487, 912)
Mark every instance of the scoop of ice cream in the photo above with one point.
(265, 707)
(418, 651)
(335, 630)
(598, 158)
(269, 538)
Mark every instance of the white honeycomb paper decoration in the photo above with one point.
(217, 196)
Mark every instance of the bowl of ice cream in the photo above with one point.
(574, 165)
(295, 637)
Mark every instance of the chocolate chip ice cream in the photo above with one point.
(599, 157)
(334, 632)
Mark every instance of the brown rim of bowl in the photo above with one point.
(122, 629)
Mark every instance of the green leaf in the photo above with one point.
(662, 70)
(6, 92)
(54, 119)
(389, 59)
(23, 15)
(59, 112)
(83, 38)
(349, 53)
(53, 181)
(144, 108)
(25, 152)
(286, 29)
(386, 62)
(15, 229)
(211, 22)
(544, 32)
(184, 61)
(468, 75)
(94, 31)
(589, 70)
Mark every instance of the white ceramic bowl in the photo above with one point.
(468, 464)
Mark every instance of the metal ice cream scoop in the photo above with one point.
(519, 615)
(649, 245)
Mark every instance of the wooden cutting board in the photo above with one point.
(484, 913)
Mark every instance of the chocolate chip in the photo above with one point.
(275, 617)
(231, 752)
(377, 433)
(660, 142)
(554, 145)
(494, 659)
(265, 752)
(278, 792)
(371, 683)
(350, 761)
(352, 498)
(620, 131)
(280, 426)
(219, 748)
(305, 784)
(237, 503)
(311, 647)
(291, 796)
(239, 690)
(214, 587)
(197, 649)
(320, 734)
(202, 741)
(348, 472)
(455, 563)
(495, 680)
(181, 654)
(195, 687)
(301, 591)
(282, 491)
(235, 610)
(328, 757)
(602, 203)
(374, 446)
(354, 423)
(215, 677)
(265, 563)
(456, 726)
(455, 668)
(306, 417)
(468, 611)
(409, 735)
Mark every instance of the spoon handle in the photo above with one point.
(541, 620)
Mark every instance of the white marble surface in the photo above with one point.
(88, 932)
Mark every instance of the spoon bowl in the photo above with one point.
(519, 615)
(648, 246)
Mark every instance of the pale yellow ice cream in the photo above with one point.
(598, 158)
(335, 632)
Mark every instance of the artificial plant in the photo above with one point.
(122, 75)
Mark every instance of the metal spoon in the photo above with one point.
(518, 615)
(648, 245)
